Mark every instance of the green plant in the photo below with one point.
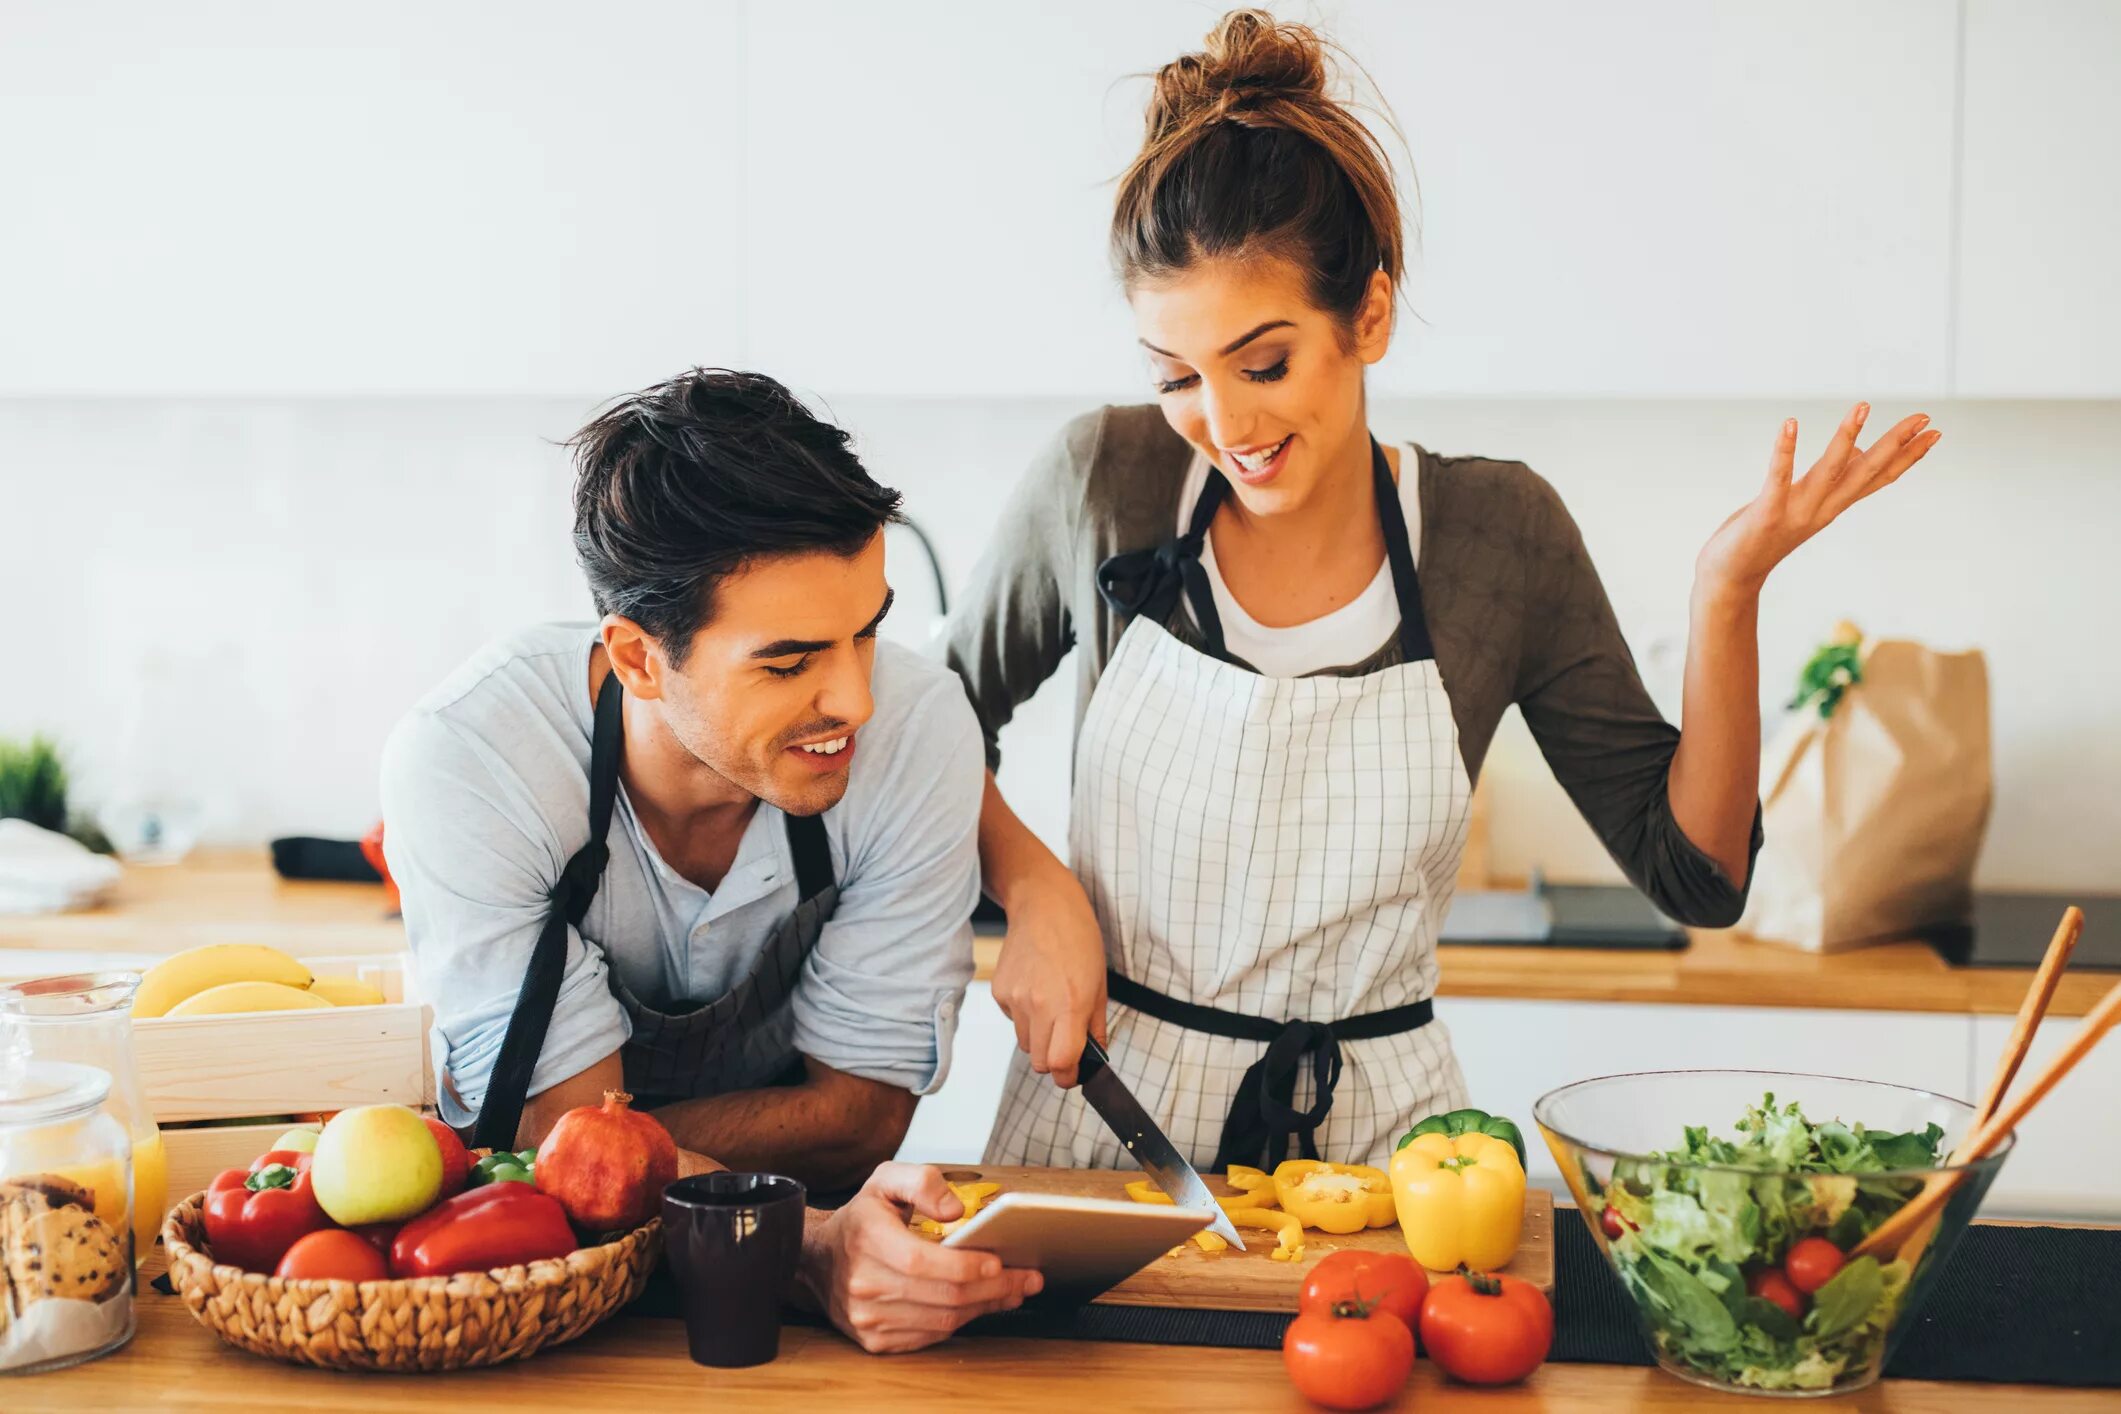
(33, 788)
(1830, 672)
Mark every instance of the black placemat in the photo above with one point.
(2015, 1305)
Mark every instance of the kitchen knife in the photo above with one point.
(1124, 1115)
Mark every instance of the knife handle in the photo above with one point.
(1093, 1060)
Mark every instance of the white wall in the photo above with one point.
(237, 598)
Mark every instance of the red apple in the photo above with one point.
(456, 1159)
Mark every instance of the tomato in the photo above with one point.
(1347, 1357)
(1486, 1330)
(1392, 1281)
(377, 1235)
(333, 1255)
(1771, 1285)
(1812, 1263)
(456, 1159)
(1614, 1224)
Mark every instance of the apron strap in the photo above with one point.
(1149, 582)
(813, 856)
(509, 1084)
(1262, 1113)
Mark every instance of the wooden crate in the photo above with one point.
(200, 1073)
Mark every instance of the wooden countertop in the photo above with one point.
(641, 1363)
(233, 896)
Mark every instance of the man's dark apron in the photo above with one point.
(739, 1041)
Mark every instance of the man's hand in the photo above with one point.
(891, 1290)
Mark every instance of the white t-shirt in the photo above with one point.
(1346, 635)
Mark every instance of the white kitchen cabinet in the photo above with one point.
(950, 1126)
(1513, 1052)
(2067, 1162)
(1665, 198)
(2039, 287)
(391, 198)
(929, 190)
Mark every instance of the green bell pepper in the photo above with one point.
(503, 1167)
(1459, 1122)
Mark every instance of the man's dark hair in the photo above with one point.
(685, 483)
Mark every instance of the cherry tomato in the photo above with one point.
(1393, 1281)
(1347, 1357)
(1771, 1285)
(1613, 1223)
(1486, 1330)
(333, 1255)
(1812, 1263)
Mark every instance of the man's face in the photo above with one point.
(774, 693)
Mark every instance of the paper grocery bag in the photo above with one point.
(1874, 814)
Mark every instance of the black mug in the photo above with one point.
(733, 1240)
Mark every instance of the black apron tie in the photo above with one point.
(1149, 583)
(1263, 1113)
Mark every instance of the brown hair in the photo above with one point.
(1247, 155)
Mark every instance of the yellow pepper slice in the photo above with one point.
(1256, 1185)
(1460, 1200)
(973, 1195)
(1290, 1248)
(1337, 1198)
(1141, 1190)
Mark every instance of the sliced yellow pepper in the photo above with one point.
(1283, 1225)
(1460, 1200)
(1256, 1185)
(1141, 1190)
(973, 1195)
(1337, 1198)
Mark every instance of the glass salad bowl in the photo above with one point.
(1728, 1202)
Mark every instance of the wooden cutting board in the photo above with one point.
(1249, 1280)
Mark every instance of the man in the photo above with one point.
(718, 850)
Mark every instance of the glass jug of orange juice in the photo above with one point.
(86, 1019)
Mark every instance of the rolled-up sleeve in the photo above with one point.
(881, 991)
(474, 864)
(1595, 723)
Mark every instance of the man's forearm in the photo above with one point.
(827, 1133)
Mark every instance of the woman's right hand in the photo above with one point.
(1051, 978)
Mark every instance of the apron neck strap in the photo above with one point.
(1414, 644)
(508, 1083)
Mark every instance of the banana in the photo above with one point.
(193, 971)
(347, 991)
(232, 997)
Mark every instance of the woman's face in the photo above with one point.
(1261, 381)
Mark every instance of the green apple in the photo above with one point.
(302, 1140)
(376, 1164)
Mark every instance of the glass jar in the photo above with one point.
(87, 1019)
(66, 1232)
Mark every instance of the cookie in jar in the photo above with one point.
(66, 1233)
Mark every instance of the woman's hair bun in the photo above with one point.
(1249, 57)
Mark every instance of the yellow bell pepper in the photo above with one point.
(973, 1195)
(1337, 1198)
(1460, 1200)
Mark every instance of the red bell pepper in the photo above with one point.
(500, 1225)
(254, 1216)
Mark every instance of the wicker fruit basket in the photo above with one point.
(430, 1323)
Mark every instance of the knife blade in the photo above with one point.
(1157, 1155)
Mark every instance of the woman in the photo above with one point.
(1295, 643)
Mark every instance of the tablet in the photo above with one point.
(1083, 1246)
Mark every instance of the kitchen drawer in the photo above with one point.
(2067, 1162)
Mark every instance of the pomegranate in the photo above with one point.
(607, 1164)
